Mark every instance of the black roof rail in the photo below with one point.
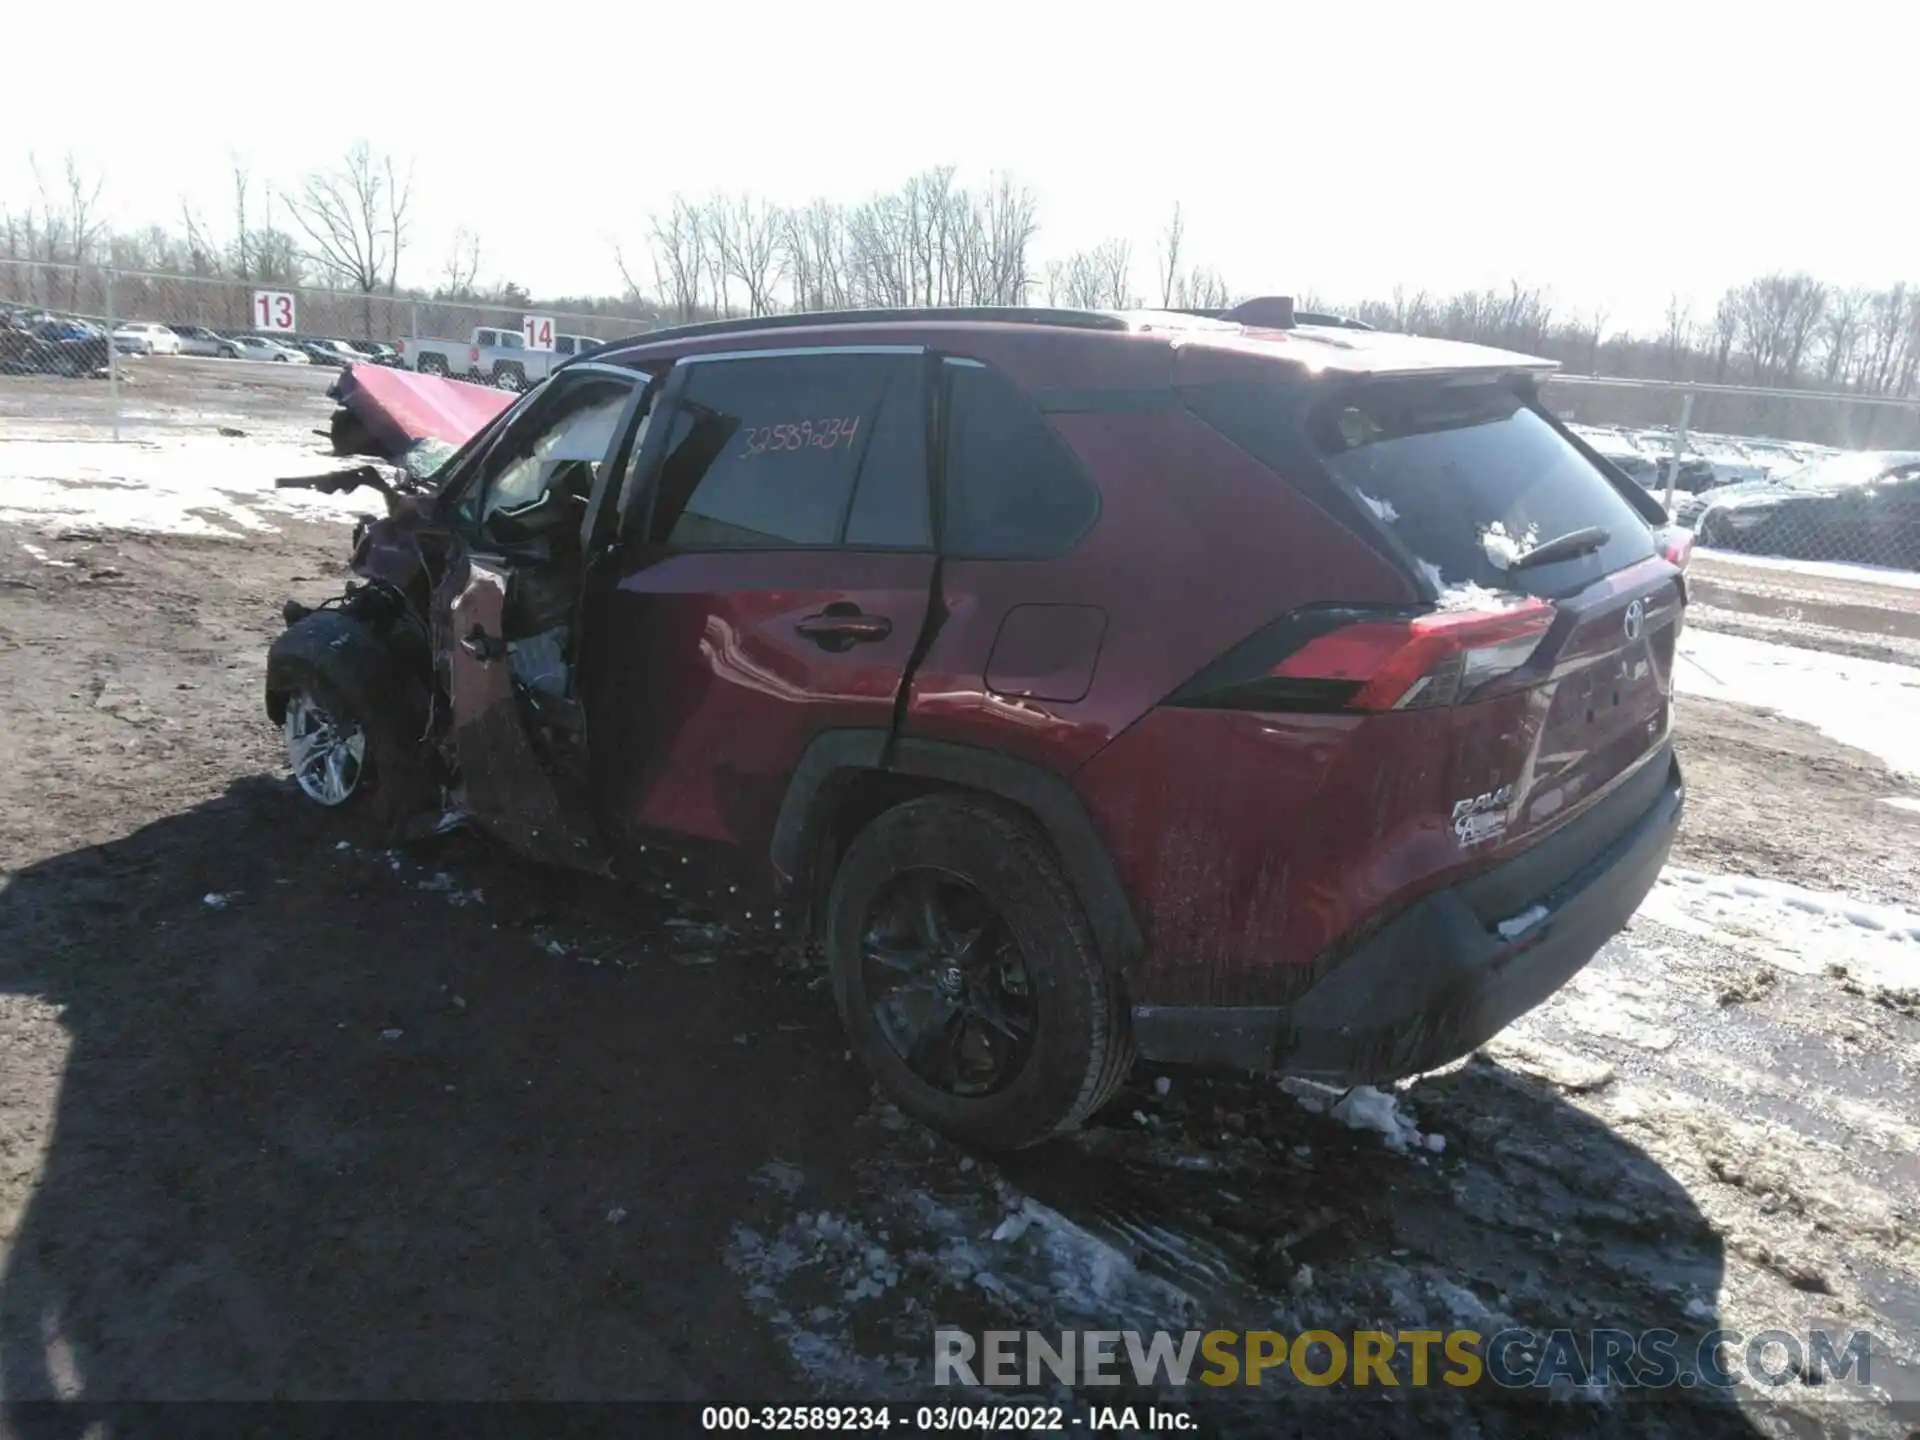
(1338, 322)
(1004, 314)
(1276, 312)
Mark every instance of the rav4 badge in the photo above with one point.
(1478, 818)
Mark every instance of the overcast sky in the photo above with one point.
(1615, 153)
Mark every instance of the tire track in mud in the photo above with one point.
(1604, 1166)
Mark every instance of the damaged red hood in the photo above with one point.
(396, 409)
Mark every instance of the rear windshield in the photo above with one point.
(1468, 477)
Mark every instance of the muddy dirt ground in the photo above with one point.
(283, 1114)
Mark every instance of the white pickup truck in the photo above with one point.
(492, 355)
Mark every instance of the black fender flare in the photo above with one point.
(1042, 793)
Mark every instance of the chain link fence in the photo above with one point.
(1783, 474)
(1794, 474)
(163, 343)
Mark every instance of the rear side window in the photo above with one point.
(797, 451)
(1464, 476)
(1014, 491)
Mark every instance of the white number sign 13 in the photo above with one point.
(273, 310)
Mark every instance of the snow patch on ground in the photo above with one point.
(1793, 929)
(1823, 569)
(1872, 705)
(1904, 802)
(180, 485)
(832, 1252)
(1364, 1107)
(1627, 1011)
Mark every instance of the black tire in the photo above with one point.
(433, 365)
(1079, 1052)
(510, 377)
(358, 680)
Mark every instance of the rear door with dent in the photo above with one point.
(773, 583)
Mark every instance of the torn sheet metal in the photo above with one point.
(393, 414)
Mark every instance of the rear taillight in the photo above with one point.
(1345, 659)
(473, 354)
(1676, 544)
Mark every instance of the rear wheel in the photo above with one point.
(510, 377)
(433, 365)
(967, 977)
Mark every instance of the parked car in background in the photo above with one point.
(199, 340)
(336, 353)
(1696, 474)
(46, 346)
(1862, 507)
(1200, 716)
(145, 337)
(492, 355)
(378, 351)
(259, 347)
(1614, 447)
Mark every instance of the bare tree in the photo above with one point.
(1677, 335)
(1726, 326)
(241, 258)
(1889, 324)
(202, 256)
(1591, 333)
(1203, 288)
(355, 219)
(1840, 332)
(461, 269)
(1008, 220)
(677, 241)
(1170, 277)
(72, 221)
(815, 257)
(746, 234)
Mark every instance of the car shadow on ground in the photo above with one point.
(328, 1127)
(321, 1132)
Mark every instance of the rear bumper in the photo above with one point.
(1433, 984)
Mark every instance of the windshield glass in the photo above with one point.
(1838, 472)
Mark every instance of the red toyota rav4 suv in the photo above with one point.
(1277, 696)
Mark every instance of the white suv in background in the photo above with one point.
(145, 337)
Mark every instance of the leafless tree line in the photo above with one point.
(1777, 331)
(933, 240)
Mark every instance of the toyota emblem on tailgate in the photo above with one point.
(1636, 619)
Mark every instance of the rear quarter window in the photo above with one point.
(1014, 491)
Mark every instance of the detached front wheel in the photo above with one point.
(351, 721)
(967, 977)
(326, 749)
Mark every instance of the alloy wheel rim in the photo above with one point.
(948, 984)
(328, 754)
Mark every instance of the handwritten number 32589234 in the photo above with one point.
(807, 435)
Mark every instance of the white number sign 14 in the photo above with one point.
(273, 310)
(539, 331)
